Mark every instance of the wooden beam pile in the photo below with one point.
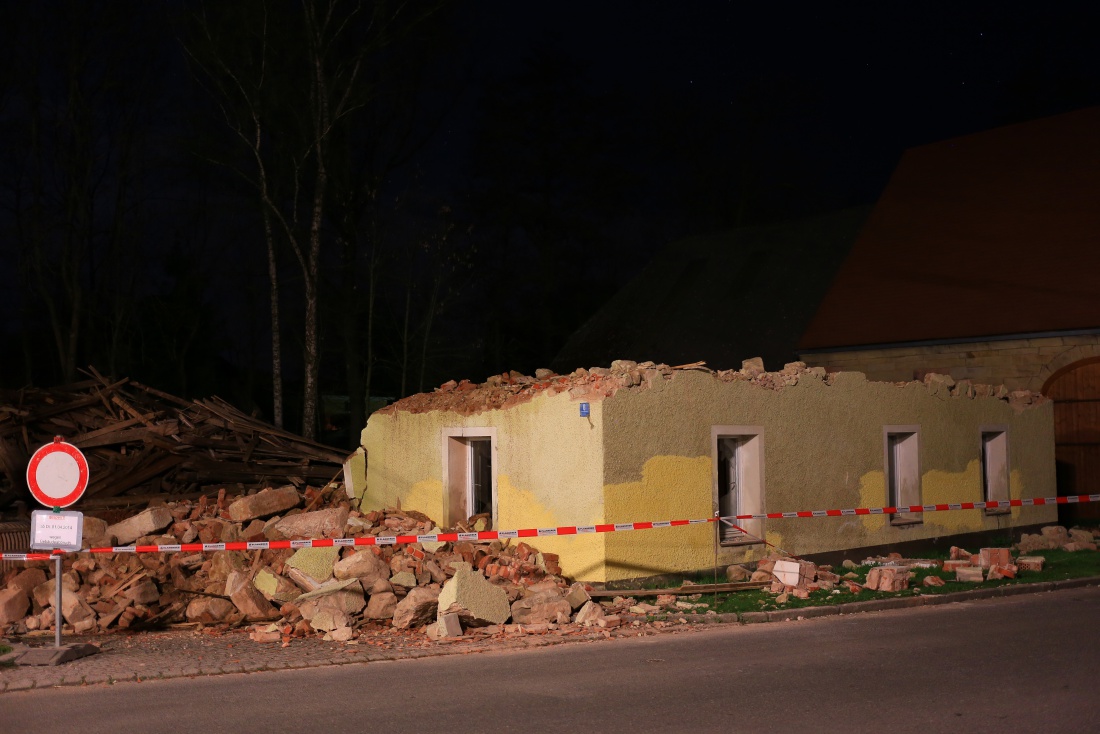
(141, 441)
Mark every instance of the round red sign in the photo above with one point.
(58, 474)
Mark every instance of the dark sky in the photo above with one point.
(848, 85)
(680, 119)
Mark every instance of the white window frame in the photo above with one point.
(449, 437)
(750, 481)
(998, 441)
(907, 464)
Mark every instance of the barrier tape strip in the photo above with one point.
(558, 531)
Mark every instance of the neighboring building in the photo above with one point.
(644, 443)
(981, 261)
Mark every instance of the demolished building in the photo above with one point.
(646, 442)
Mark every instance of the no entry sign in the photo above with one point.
(58, 474)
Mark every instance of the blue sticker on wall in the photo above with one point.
(584, 410)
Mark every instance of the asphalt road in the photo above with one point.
(1017, 664)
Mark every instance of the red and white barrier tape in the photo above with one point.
(558, 531)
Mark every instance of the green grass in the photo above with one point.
(1059, 565)
(4, 650)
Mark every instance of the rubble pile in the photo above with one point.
(333, 591)
(1056, 537)
(513, 388)
(141, 441)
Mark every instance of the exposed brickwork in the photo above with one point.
(1018, 364)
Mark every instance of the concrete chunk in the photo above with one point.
(362, 565)
(970, 574)
(543, 606)
(381, 606)
(209, 610)
(316, 563)
(246, 597)
(320, 524)
(577, 596)
(418, 608)
(590, 614)
(469, 595)
(144, 523)
(264, 503)
(14, 605)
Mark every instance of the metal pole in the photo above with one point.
(57, 600)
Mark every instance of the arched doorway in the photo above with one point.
(1075, 390)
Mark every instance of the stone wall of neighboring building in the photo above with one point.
(1018, 364)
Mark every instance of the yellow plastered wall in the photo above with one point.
(823, 449)
(548, 464)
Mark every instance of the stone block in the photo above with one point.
(969, 574)
(470, 595)
(419, 607)
(381, 606)
(737, 573)
(954, 565)
(28, 579)
(590, 614)
(275, 588)
(542, 606)
(1055, 533)
(320, 524)
(327, 620)
(14, 605)
(265, 503)
(405, 579)
(144, 523)
(208, 609)
(577, 596)
(144, 591)
(450, 625)
(932, 581)
(95, 533)
(363, 565)
(346, 595)
(246, 597)
(315, 563)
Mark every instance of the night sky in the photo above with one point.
(531, 159)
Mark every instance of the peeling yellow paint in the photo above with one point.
(671, 488)
(872, 493)
(579, 555)
(425, 496)
(941, 487)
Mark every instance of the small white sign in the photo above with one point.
(56, 530)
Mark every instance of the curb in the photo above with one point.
(909, 602)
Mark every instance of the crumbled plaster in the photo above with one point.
(512, 388)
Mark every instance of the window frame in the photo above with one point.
(911, 445)
(465, 437)
(1000, 430)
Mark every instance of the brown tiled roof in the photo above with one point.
(989, 234)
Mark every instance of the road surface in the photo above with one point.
(1016, 664)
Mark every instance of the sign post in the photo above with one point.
(57, 476)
